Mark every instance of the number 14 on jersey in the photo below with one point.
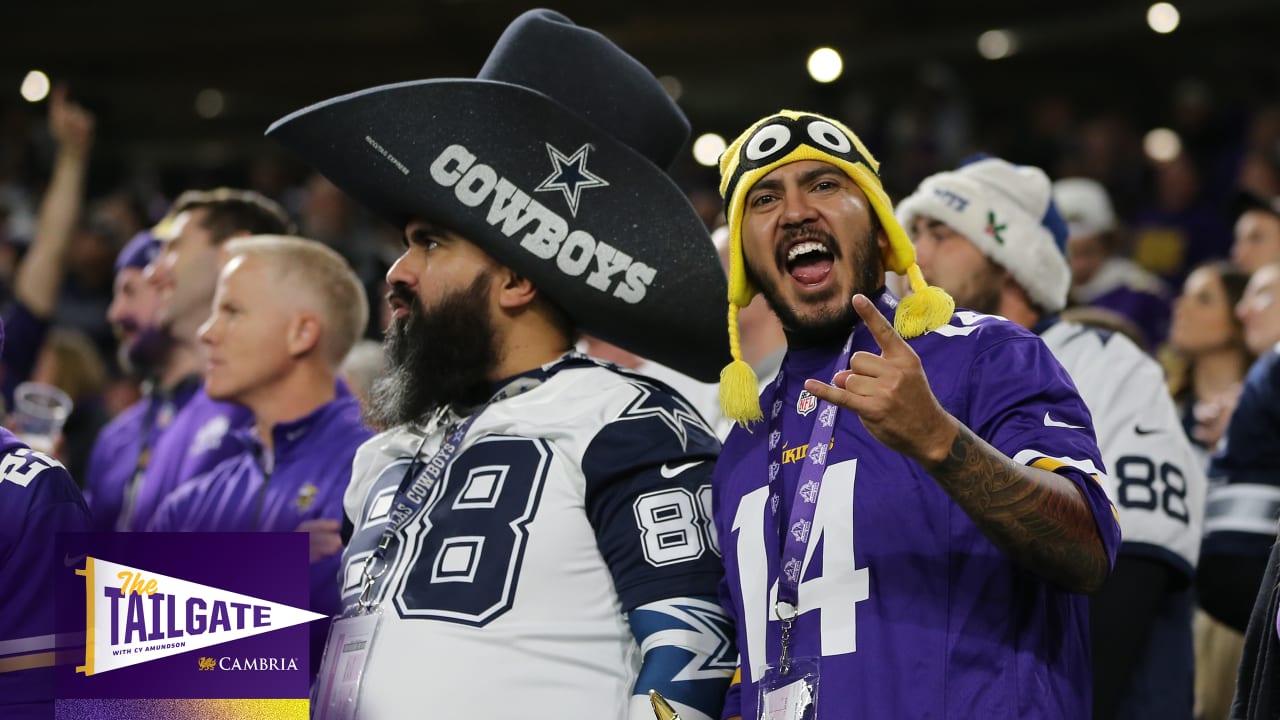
(836, 592)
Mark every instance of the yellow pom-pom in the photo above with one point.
(922, 311)
(740, 393)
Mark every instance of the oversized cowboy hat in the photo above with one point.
(550, 160)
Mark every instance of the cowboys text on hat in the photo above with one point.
(511, 210)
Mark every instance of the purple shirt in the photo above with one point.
(910, 611)
(38, 499)
(122, 452)
(260, 490)
(199, 439)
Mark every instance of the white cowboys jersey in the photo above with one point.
(564, 507)
(1154, 478)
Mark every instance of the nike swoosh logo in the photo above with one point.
(73, 561)
(670, 472)
(1050, 422)
(1145, 431)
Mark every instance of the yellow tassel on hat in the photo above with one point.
(739, 386)
(926, 308)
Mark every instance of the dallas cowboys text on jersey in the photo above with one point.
(563, 508)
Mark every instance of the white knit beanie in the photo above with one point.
(1007, 211)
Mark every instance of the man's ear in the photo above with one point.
(303, 334)
(882, 242)
(514, 290)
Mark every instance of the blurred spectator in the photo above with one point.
(1259, 309)
(38, 278)
(170, 373)
(1241, 521)
(365, 363)
(1208, 337)
(70, 362)
(329, 216)
(185, 274)
(1257, 232)
(999, 252)
(286, 313)
(1182, 228)
(38, 500)
(1100, 275)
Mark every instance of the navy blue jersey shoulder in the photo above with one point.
(648, 495)
(1252, 453)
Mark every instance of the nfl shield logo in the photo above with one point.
(807, 402)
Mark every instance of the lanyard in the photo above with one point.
(794, 535)
(161, 407)
(412, 496)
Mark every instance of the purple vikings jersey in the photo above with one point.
(122, 452)
(303, 478)
(38, 499)
(199, 438)
(909, 610)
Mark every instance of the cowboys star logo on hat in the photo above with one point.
(603, 232)
(570, 176)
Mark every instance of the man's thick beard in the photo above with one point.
(831, 326)
(147, 355)
(435, 359)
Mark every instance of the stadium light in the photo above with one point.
(1162, 145)
(997, 44)
(707, 149)
(35, 86)
(672, 85)
(210, 103)
(825, 65)
(1163, 17)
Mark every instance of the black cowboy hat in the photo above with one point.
(550, 160)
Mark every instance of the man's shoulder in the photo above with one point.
(973, 339)
(971, 332)
(31, 480)
(1266, 370)
(1094, 354)
(343, 428)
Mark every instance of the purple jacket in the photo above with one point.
(200, 437)
(123, 450)
(303, 478)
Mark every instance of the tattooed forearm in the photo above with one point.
(1038, 517)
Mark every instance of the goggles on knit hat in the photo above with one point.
(782, 139)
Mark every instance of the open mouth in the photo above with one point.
(399, 306)
(809, 262)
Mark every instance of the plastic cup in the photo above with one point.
(39, 412)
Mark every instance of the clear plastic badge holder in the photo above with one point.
(792, 695)
(338, 686)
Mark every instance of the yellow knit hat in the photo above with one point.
(782, 139)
